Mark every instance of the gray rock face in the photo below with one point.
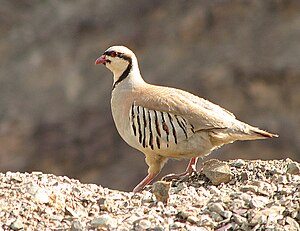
(55, 112)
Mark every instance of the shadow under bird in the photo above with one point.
(164, 122)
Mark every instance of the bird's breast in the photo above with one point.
(121, 102)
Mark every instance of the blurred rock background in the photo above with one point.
(55, 103)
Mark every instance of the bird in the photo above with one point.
(167, 123)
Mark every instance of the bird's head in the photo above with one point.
(117, 59)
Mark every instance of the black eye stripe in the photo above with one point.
(113, 53)
(117, 54)
(110, 53)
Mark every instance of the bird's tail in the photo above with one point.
(247, 132)
(263, 134)
(239, 131)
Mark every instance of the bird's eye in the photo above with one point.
(113, 54)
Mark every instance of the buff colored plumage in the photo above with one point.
(165, 122)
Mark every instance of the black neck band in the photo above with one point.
(124, 75)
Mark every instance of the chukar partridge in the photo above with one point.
(164, 122)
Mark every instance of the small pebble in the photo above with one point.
(293, 168)
(217, 172)
(104, 221)
(239, 219)
(161, 191)
(147, 197)
(144, 224)
(216, 207)
(216, 217)
(17, 224)
(70, 211)
(249, 188)
(227, 214)
(41, 196)
(183, 215)
(238, 163)
(294, 225)
(76, 226)
(193, 219)
(258, 202)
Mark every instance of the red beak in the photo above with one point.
(101, 60)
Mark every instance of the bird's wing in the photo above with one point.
(199, 113)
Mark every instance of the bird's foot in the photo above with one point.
(179, 176)
(190, 170)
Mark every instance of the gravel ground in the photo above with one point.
(233, 195)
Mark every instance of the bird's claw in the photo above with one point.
(180, 176)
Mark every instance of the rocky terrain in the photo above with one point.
(233, 195)
(55, 103)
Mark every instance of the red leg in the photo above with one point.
(147, 180)
(189, 170)
(155, 164)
